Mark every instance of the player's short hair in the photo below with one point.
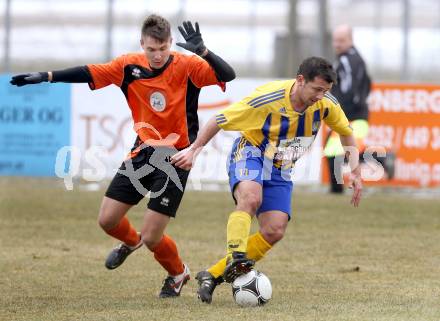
(156, 27)
(317, 67)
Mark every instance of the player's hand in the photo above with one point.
(193, 38)
(185, 158)
(355, 183)
(28, 79)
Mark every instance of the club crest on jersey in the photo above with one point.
(158, 101)
(316, 125)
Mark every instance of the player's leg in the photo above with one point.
(333, 152)
(248, 195)
(273, 225)
(274, 212)
(166, 194)
(245, 179)
(119, 198)
(165, 252)
(110, 217)
(244, 171)
(273, 215)
(257, 246)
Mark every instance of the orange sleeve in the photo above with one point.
(107, 74)
(201, 73)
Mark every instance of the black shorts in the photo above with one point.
(150, 172)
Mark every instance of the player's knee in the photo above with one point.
(150, 240)
(106, 222)
(250, 202)
(273, 233)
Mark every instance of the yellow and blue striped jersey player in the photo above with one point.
(278, 123)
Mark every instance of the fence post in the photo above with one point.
(109, 31)
(7, 37)
(406, 23)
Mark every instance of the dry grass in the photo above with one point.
(378, 262)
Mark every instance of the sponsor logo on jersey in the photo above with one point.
(136, 72)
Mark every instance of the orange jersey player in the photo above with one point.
(162, 88)
(165, 98)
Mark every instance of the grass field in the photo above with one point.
(378, 262)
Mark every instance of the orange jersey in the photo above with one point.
(163, 102)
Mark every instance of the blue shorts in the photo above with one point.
(247, 163)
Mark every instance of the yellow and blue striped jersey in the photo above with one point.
(266, 118)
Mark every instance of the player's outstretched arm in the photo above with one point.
(194, 43)
(349, 144)
(79, 74)
(29, 78)
(186, 157)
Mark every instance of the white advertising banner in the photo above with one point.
(102, 135)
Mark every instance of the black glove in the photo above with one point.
(31, 78)
(193, 38)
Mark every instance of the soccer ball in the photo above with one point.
(252, 289)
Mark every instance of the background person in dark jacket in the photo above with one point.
(351, 91)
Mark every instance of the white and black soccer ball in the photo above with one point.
(252, 289)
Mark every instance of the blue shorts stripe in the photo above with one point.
(240, 146)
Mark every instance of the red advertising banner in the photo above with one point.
(405, 119)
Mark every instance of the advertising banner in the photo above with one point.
(34, 125)
(405, 121)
